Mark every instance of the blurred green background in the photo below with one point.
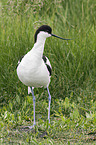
(73, 62)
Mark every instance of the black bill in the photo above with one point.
(60, 37)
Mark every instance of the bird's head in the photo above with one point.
(45, 31)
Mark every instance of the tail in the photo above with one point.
(29, 90)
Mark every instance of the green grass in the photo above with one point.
(73, 81)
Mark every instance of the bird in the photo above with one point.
(34, 69)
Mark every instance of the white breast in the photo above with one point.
(32, 71)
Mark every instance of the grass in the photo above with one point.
(73, 81)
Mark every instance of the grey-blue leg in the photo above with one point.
(30, 127)
(33, 105)
(49, 98)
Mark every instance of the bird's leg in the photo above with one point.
(30, 127)
(33, 105)
(49, 98)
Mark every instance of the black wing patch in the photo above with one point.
(19, 61)
(48, 66)
(44, 58)
(49, 69)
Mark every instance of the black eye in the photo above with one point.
(47, 31)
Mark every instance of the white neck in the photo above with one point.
(39, 45)
(38, 48)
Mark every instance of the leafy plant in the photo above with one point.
(72, 87)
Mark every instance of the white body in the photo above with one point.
(32, 70)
